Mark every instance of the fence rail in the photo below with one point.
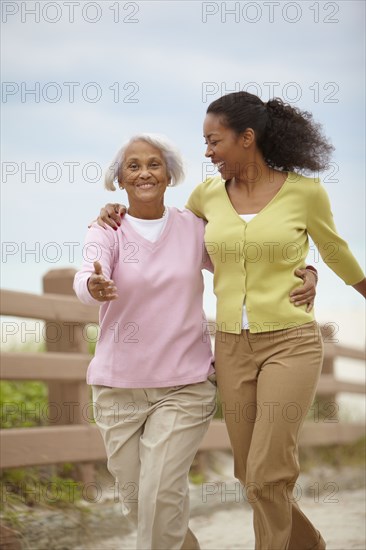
(50, 307)
(63, 367)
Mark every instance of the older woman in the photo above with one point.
(259, 215)
(152, 375)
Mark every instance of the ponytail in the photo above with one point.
(293, 140)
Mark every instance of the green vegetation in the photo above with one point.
(51, 486)
(24, 404)
(21, 403)
(352, 454)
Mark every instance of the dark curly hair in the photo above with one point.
(288, 138)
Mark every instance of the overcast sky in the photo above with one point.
(81, 77)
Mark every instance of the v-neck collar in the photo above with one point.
(145, 242)
(273, 199)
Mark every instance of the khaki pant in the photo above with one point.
(151, 437)
(267, 382)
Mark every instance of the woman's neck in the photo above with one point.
(257, 176)
(146, 211)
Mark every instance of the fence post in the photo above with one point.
(71, 399)
(10, 538)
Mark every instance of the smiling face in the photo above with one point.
(225, 147)
(144, 174)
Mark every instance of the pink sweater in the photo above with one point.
(155, 334)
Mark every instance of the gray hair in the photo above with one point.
(171, 155)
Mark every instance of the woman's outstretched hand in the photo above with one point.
(99, 287)
(111, 215)
(305, 294)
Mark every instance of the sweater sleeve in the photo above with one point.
(194, 203)
(332, 248)
(100, 245)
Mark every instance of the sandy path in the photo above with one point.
(341, 523)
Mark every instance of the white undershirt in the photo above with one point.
(244, 319)
(148, 229)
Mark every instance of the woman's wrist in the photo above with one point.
(361, 287)
(313, 270)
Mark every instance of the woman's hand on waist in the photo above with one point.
(305, 294)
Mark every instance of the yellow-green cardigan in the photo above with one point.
(256, 260)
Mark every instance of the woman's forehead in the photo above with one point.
(212, 125)
(142, 148)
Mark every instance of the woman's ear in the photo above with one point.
(248, 137)
(169, 179)
(120, 185)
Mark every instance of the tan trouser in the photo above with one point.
(151, 437)
(267, 383)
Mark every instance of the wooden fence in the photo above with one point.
(70, 436)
